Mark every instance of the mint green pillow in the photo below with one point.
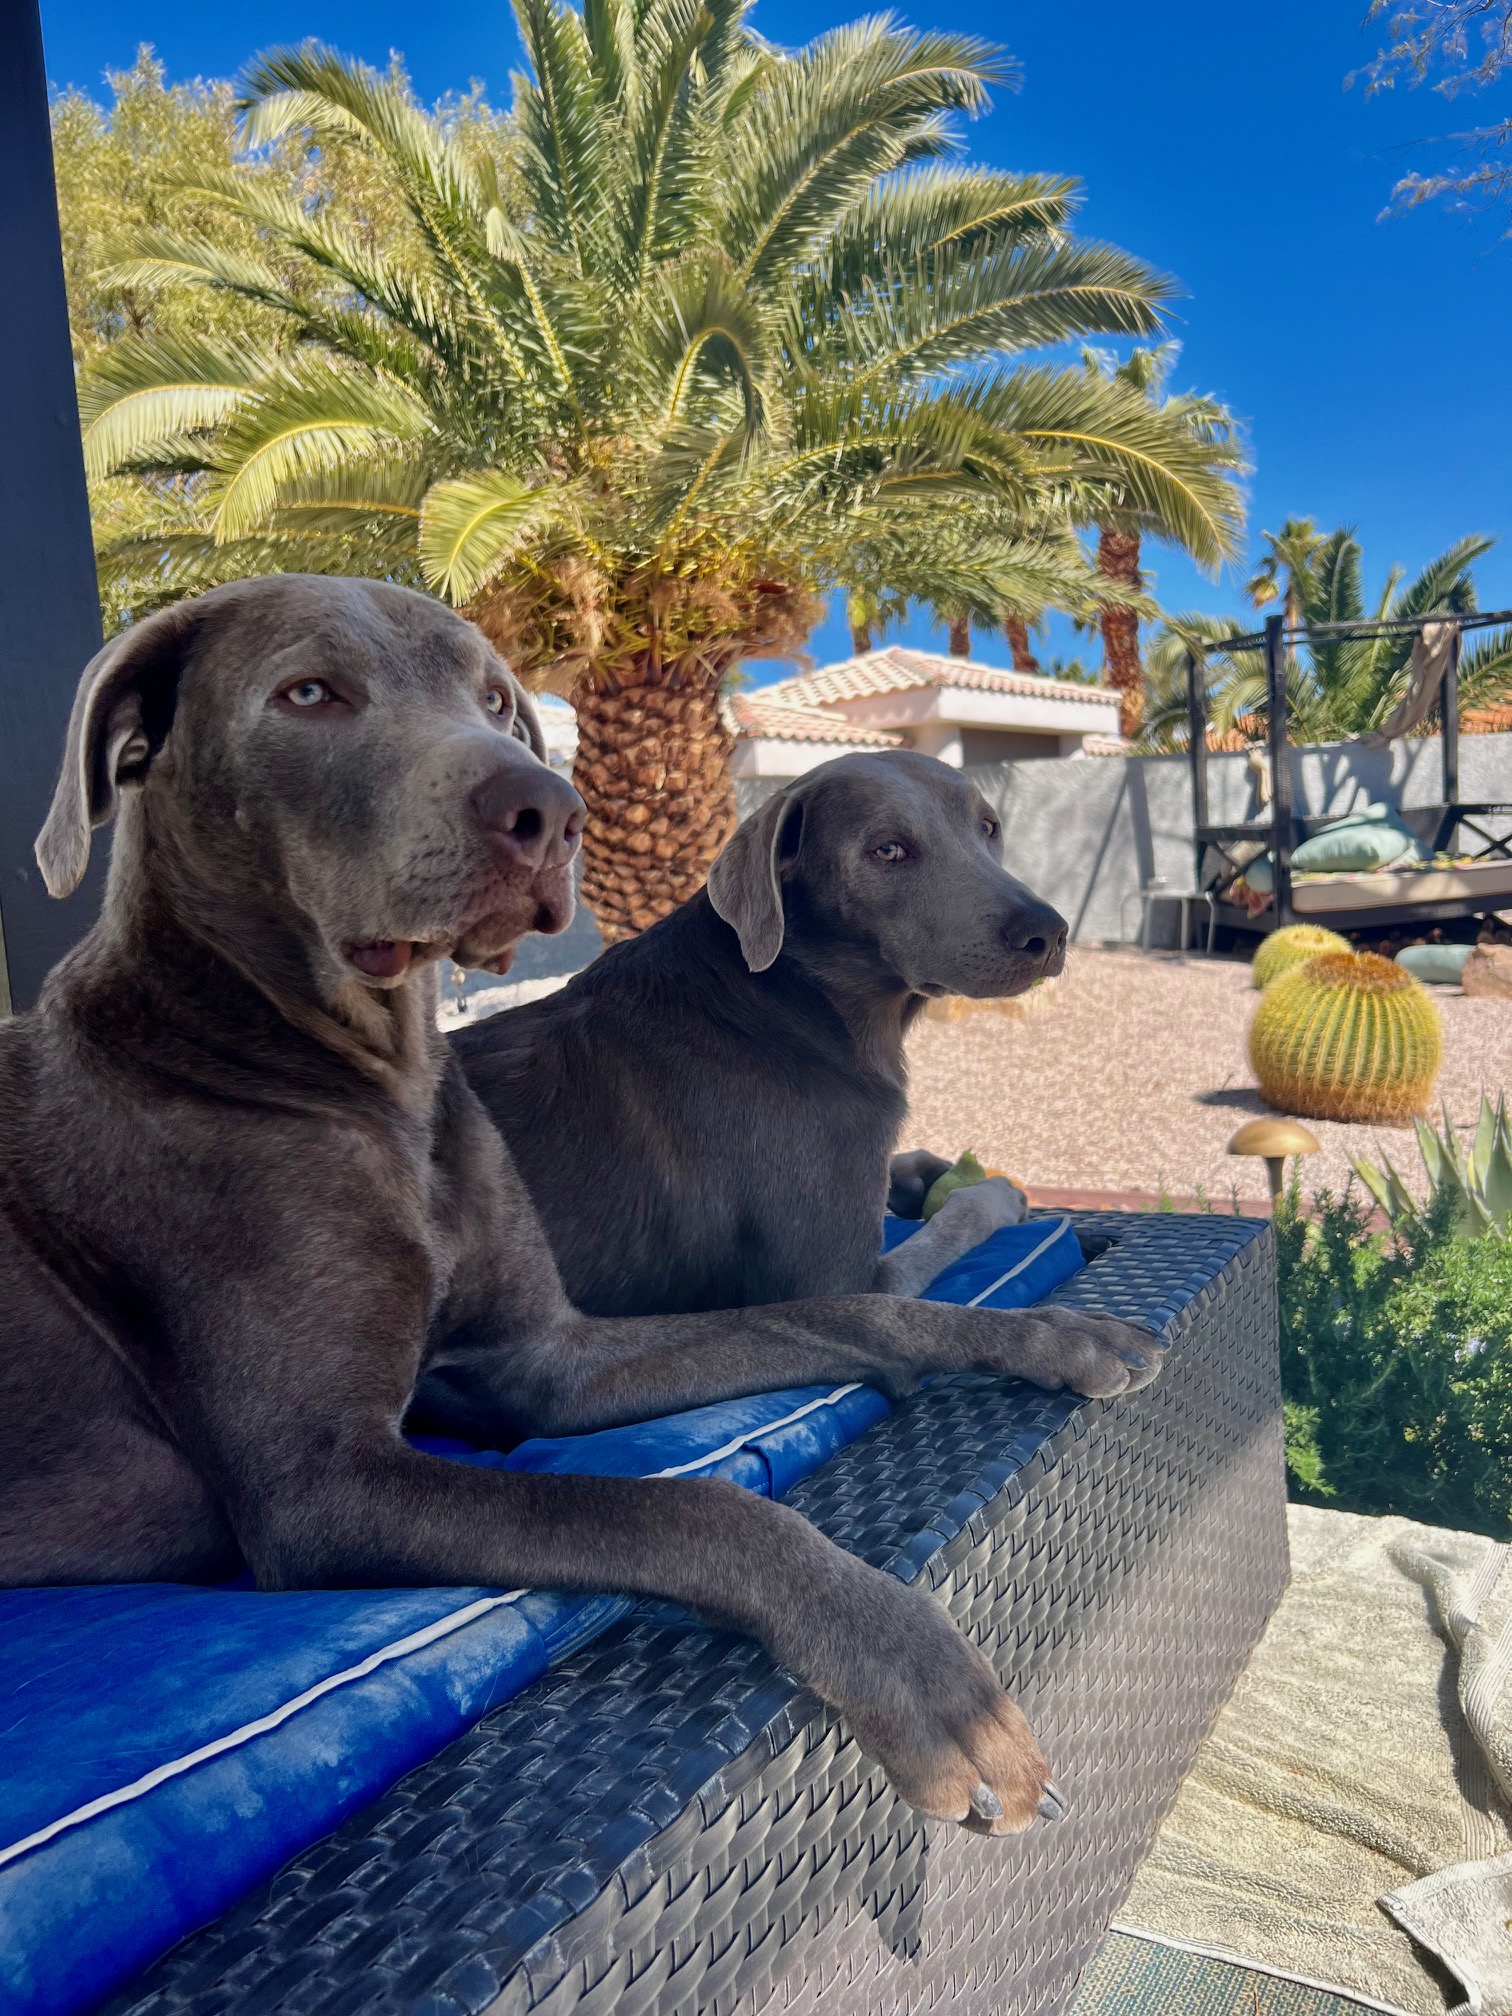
(1356, 846)
(1439, 965)
(1370, 837)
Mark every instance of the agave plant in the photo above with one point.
(1477, 1180)
(716, 331)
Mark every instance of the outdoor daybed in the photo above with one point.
(1468, 869)
(665, 1822)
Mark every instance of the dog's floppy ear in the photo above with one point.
(745, 883)
(527, 722)
(120, 715)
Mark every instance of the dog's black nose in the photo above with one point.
(531, 813)
(1038, 932)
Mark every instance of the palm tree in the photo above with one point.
(715, 332)
(1288, 561)
(1122, 529)
(980, 571)
(1020, 651)
(1336, 687)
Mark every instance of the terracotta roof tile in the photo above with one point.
(754, 714)
(899, 670)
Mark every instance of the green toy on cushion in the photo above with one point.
(961, 1176)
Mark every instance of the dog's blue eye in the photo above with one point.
(891, 850)
(990, 827)
(494, 701)
(309, 693)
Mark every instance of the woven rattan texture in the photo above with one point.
(665, 1823)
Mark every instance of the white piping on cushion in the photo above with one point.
(770, 1428)
(443, 1627)
(1028, 1260)
(160, 1774)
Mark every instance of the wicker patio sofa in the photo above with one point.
(667, 1823)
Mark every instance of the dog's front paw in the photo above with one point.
(1100, 1356)
(980, 1209)
(930, 1709)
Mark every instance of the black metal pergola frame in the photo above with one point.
(1285, 829)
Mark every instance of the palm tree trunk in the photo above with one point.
(1021, 656)
(861, 639)
(1118, 560)
(960, 638)
(653, 768)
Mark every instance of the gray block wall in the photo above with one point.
(1087, 833)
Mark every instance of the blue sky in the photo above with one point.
(1367, 358)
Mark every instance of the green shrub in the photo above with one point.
(1396, 1363)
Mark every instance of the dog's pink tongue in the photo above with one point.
(382, 959)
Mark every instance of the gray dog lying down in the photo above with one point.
(704, 1117)
(251, 1213)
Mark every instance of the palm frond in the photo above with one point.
(1485, 670)
(662, 199)
(416, 303)
(1234, 682)
(566, 136)
(703, 319)
(1142, 458)
(314, 89)
(909, 219)
(303, 418)
(146, 390)
(923, 322)
(717, 314)
(810, 144)
(472, 526)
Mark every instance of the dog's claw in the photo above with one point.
(1052, 1805)
(985, 1803)
(1135, 1358)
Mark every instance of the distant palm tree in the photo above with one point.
(1290, 556)
(1336, 687)
(1123, 527)
(714, 332)
(1020, 651)
(995, 579)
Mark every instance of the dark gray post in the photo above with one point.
(1197, 755)
(1197, 726)
(49, 605)
(1280, 764)
(1449, 723)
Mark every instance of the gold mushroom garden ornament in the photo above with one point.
(1274, 1139)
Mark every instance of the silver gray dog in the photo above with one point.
(251, 1215)
(732, 1082)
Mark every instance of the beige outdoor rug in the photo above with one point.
(1367, 1750)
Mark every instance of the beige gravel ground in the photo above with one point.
(1133, 1076)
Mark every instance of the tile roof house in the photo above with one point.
(957, 709)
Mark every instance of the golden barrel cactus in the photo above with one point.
(1289, 947)
(1347, 1036)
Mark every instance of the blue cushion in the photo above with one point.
(164, 1747)
(1015, 1267)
